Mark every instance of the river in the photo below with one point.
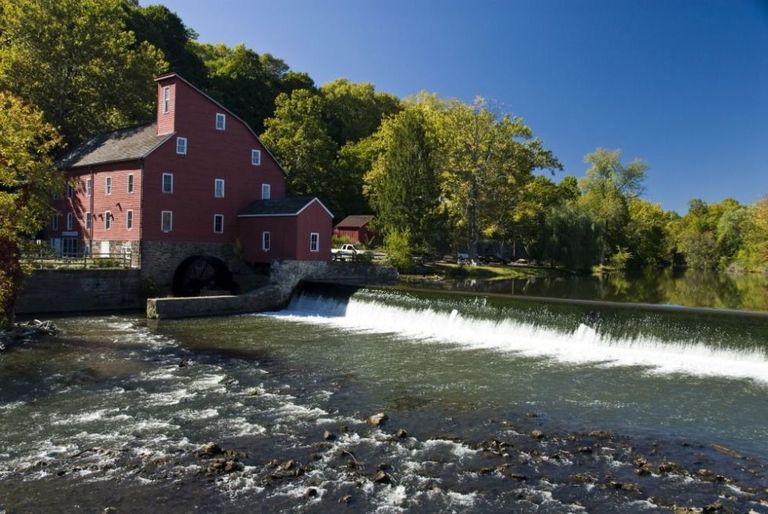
(493, 404)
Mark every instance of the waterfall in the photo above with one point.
(420, 321)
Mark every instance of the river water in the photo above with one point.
(494, 405)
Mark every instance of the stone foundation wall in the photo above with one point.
(132, 249)
(46, 291)
(160, 259)
(290, 273)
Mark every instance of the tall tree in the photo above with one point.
(27, 181)
(487, 159)
(606, 188)
(403, 184)
(76, 61)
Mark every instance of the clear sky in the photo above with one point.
(680, 84)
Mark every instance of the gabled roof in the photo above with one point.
(126, 144)
(220, 105)
(291, 206)
(355, 221)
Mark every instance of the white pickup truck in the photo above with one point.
(347, 252)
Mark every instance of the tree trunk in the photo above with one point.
(472, 229)
(10, 279)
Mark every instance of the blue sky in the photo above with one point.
(680, 84)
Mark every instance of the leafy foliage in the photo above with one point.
(78, 63)
(27, 182)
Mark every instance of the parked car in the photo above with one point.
(347, 252)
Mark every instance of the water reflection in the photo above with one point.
(663, 286)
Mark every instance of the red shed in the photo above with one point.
(356, 227)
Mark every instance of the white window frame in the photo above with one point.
(216, 183)
(181, 145)
(107, 220)
(129, 219)
(88, 221)
(166, 99)
(266, 191)
(130, 186)
(55, 223)
(162, 183)
(170, 221)
(255, 157)
(88, 187)
(266, 241)
(221, 117)
(215, 216)
(70, 221)
(107, 185)
(314, 241)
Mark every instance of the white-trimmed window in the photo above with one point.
(107, 220)
(70, 221)
(256, 157)
(314, 242)
(167, 183)
(130, 183)
(181, 145)
(88, 187)
(70, 191)
(88, 221)
(108, 185)
(166, 99)
(266, 191)
(221, 121)
(218, 188)
(166, 221)
(266, 241)
(55, 222)
(218, 223)
(129, 219)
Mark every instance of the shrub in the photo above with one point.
(397, 244)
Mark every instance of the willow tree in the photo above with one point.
(27, 181)
(487, 160)
(76, 61)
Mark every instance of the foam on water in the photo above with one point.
(583, 345)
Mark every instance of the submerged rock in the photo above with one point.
(401, 434)
(381, 477)
(378, 419)
(328, 435)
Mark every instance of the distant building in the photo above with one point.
(356, 228)
(195, 183)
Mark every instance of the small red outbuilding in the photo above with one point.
(286, 228)
(356, 228)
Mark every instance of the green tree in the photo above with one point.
(403, 183)
(298, 137)
(246, 82)
(487, 159)
(646, 233)
(76, 61)
(754, 250)
(163, 29)
(27, 182)
(606, 189)
(354, 110)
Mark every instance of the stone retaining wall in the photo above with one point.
(284, 278)
(48, 291)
